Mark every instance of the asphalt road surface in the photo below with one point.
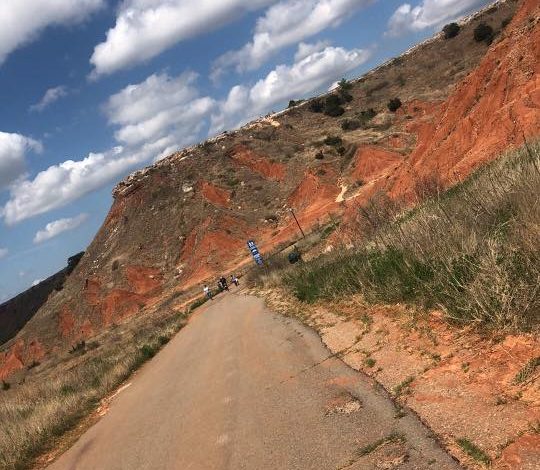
(241, 387)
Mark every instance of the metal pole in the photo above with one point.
(298, 223)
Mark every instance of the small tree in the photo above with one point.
(332, 106)
(316, 106)
(394, 104)
(451, 30)
(344, 87)
(483, 32)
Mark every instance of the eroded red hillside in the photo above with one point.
(187, 218)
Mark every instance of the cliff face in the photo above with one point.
(187, 218)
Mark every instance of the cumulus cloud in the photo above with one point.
(13, 149)
(160, 106)
(428, 14)
(3, 252)
(284, 83)
(284, 24)
(153, 118)
(146, 28)
(53, 229)
(36, 282)
(21, 21)
(306, 49)
(51, 95)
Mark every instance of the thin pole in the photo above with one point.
(298, 223)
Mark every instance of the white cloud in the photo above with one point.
(53, 229)
(146, 28)
(21, 21)
(306, 49)
(428, 14)
(160, 106)
(284, 24)
(3, 252)
(51, 95)
(284, 83)
(13, 148)
(36, 282)
(154, 118)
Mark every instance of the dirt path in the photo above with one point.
(243, 388)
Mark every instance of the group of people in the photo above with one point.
(222, 285)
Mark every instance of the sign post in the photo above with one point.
(255, 252)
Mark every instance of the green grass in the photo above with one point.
(402, 387)
(370, 362)
(391, 438)
(471, 251)
(474, 451)
(527, 370)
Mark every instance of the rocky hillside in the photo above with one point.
(187, 218)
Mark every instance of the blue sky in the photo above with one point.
(91, 90)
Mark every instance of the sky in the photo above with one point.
(92, 90)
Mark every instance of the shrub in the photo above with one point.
(332, 106)
(483, 32)
(5, 385)
(451, 30)
(319, 156)
(333, 140)
(394, 104)
(294, 103)
(316, 105)
(350, 124)
(366, 115)
(344, 87)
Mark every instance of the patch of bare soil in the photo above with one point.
(463, 385)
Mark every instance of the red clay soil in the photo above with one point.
(66, 322)
(371, 163)
(215, 195)
(243, 156)
(522, 454)
(143, 280)
(120, 304)
(490, 111)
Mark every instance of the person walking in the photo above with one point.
(234, 280)
(207, 292)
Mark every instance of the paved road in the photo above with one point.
(243, 388)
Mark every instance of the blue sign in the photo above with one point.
(255, 252)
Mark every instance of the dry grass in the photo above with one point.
(40, 410)
(471, 251)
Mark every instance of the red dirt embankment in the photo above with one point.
(460, 383)
(490, 111)
(243, 156)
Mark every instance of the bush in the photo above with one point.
(333, 140)
(294, 103)
(332, 106)
(350, 124)
(394, 104)
(5, 385)
(451, 30)
(483, 32)
(319, 156)
(316, 105)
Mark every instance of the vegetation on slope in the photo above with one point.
(471, 251)
(38, 412)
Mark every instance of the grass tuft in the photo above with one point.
(472, 450)
(527, 370)
(391, 438)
